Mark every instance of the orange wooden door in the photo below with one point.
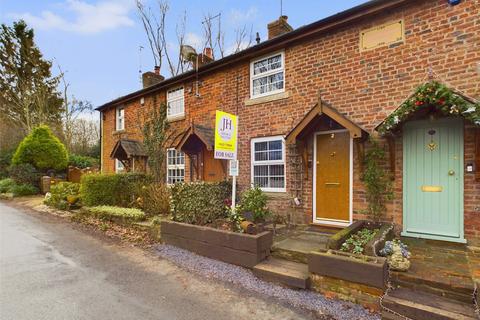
(213, 169)
(333, 177)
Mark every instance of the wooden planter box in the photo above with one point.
(373, 247)
(370, 271)
(237, 248)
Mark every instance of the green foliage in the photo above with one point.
(42, 150)
(235, 218)
(112, 189)
(357, 241)
(113, 213)
(155, 199)
(200, 202)
(82, 162)
(436, 95)
(25, 173)
(6, 185)
(5, 161)
(154, 126)
(28, 92)
(254, 201)
(23, 190)
(377, 180)
(59, 193)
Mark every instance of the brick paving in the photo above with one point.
(442, 266)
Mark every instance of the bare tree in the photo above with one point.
(213, 36)
(72, 109)
(243, 39)
(86, 134)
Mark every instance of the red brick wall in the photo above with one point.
(366, 86)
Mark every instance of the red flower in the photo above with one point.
(418, 103)
(441, 101)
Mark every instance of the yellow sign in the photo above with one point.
(225, 135)
(384, 35)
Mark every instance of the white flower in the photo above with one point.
(395, 119)
(470, 109)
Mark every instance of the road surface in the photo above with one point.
(51, 270)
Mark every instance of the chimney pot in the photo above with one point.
(157, 70)
(208, 52)
(150, 78)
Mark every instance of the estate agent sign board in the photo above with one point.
(225, 136)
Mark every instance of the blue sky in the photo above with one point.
(96, 42)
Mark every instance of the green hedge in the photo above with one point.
(82, 162)
(200, 202)
(59, 193)
(115, 214)
(23, 190)
(112, 189)
(6, 185)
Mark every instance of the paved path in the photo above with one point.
(50, 270)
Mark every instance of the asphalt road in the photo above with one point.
(51, 270)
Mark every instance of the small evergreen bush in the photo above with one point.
(155, 199)
(82, 162)
(113, 213)
(24, 173)
(200, 202)
(112, 189)
(5, 161)
(23, 190)
(254, 202)
(42, 150)
(6, 185)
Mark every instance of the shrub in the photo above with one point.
(23, 190)
(156, 199)
(5, 161)
(82, 162)
(41, 149)
(112, 189)
(113, 213)
(25, 173)
(200, 202)
(254, 202)
(6, 185)
(60, 192)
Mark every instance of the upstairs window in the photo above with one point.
(175, 166)
(267, 75)
(175, 103)
(268, 163)
(120, 118)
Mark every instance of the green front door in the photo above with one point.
(433, 179)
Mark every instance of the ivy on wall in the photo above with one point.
(436, 95)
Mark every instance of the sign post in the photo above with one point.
(226, 132)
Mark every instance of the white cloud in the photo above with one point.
(237, 16)
(86, 18)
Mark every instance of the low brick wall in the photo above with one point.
(359, 279)
(237, 248)
(334, 288)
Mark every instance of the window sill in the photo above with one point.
(277, 195)
(177, 117)
(117, 132)
(272, 97)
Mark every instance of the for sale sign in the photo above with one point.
(225, 136)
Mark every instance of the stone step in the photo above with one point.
(455, 290)
(289, 273)
(297, 246)
(424, 306)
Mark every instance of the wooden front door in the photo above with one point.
(332, 178)
(213, 169)
(433, 179)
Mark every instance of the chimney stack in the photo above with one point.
(203, 58)
(150, 78)
(278, 27)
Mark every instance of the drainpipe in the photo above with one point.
(101, 141)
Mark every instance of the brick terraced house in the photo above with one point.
(307, 101)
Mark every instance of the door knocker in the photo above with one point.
(432, 145)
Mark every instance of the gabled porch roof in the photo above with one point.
(322, 109)
(194, 134)
(127, 148)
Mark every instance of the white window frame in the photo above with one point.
(268, 162)
(268, 73)
(119, 167)
(169, 100)
(120, 125)
(175, 166)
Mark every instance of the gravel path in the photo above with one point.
(242, 277)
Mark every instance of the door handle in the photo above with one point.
(332, 183)
(451, 173)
